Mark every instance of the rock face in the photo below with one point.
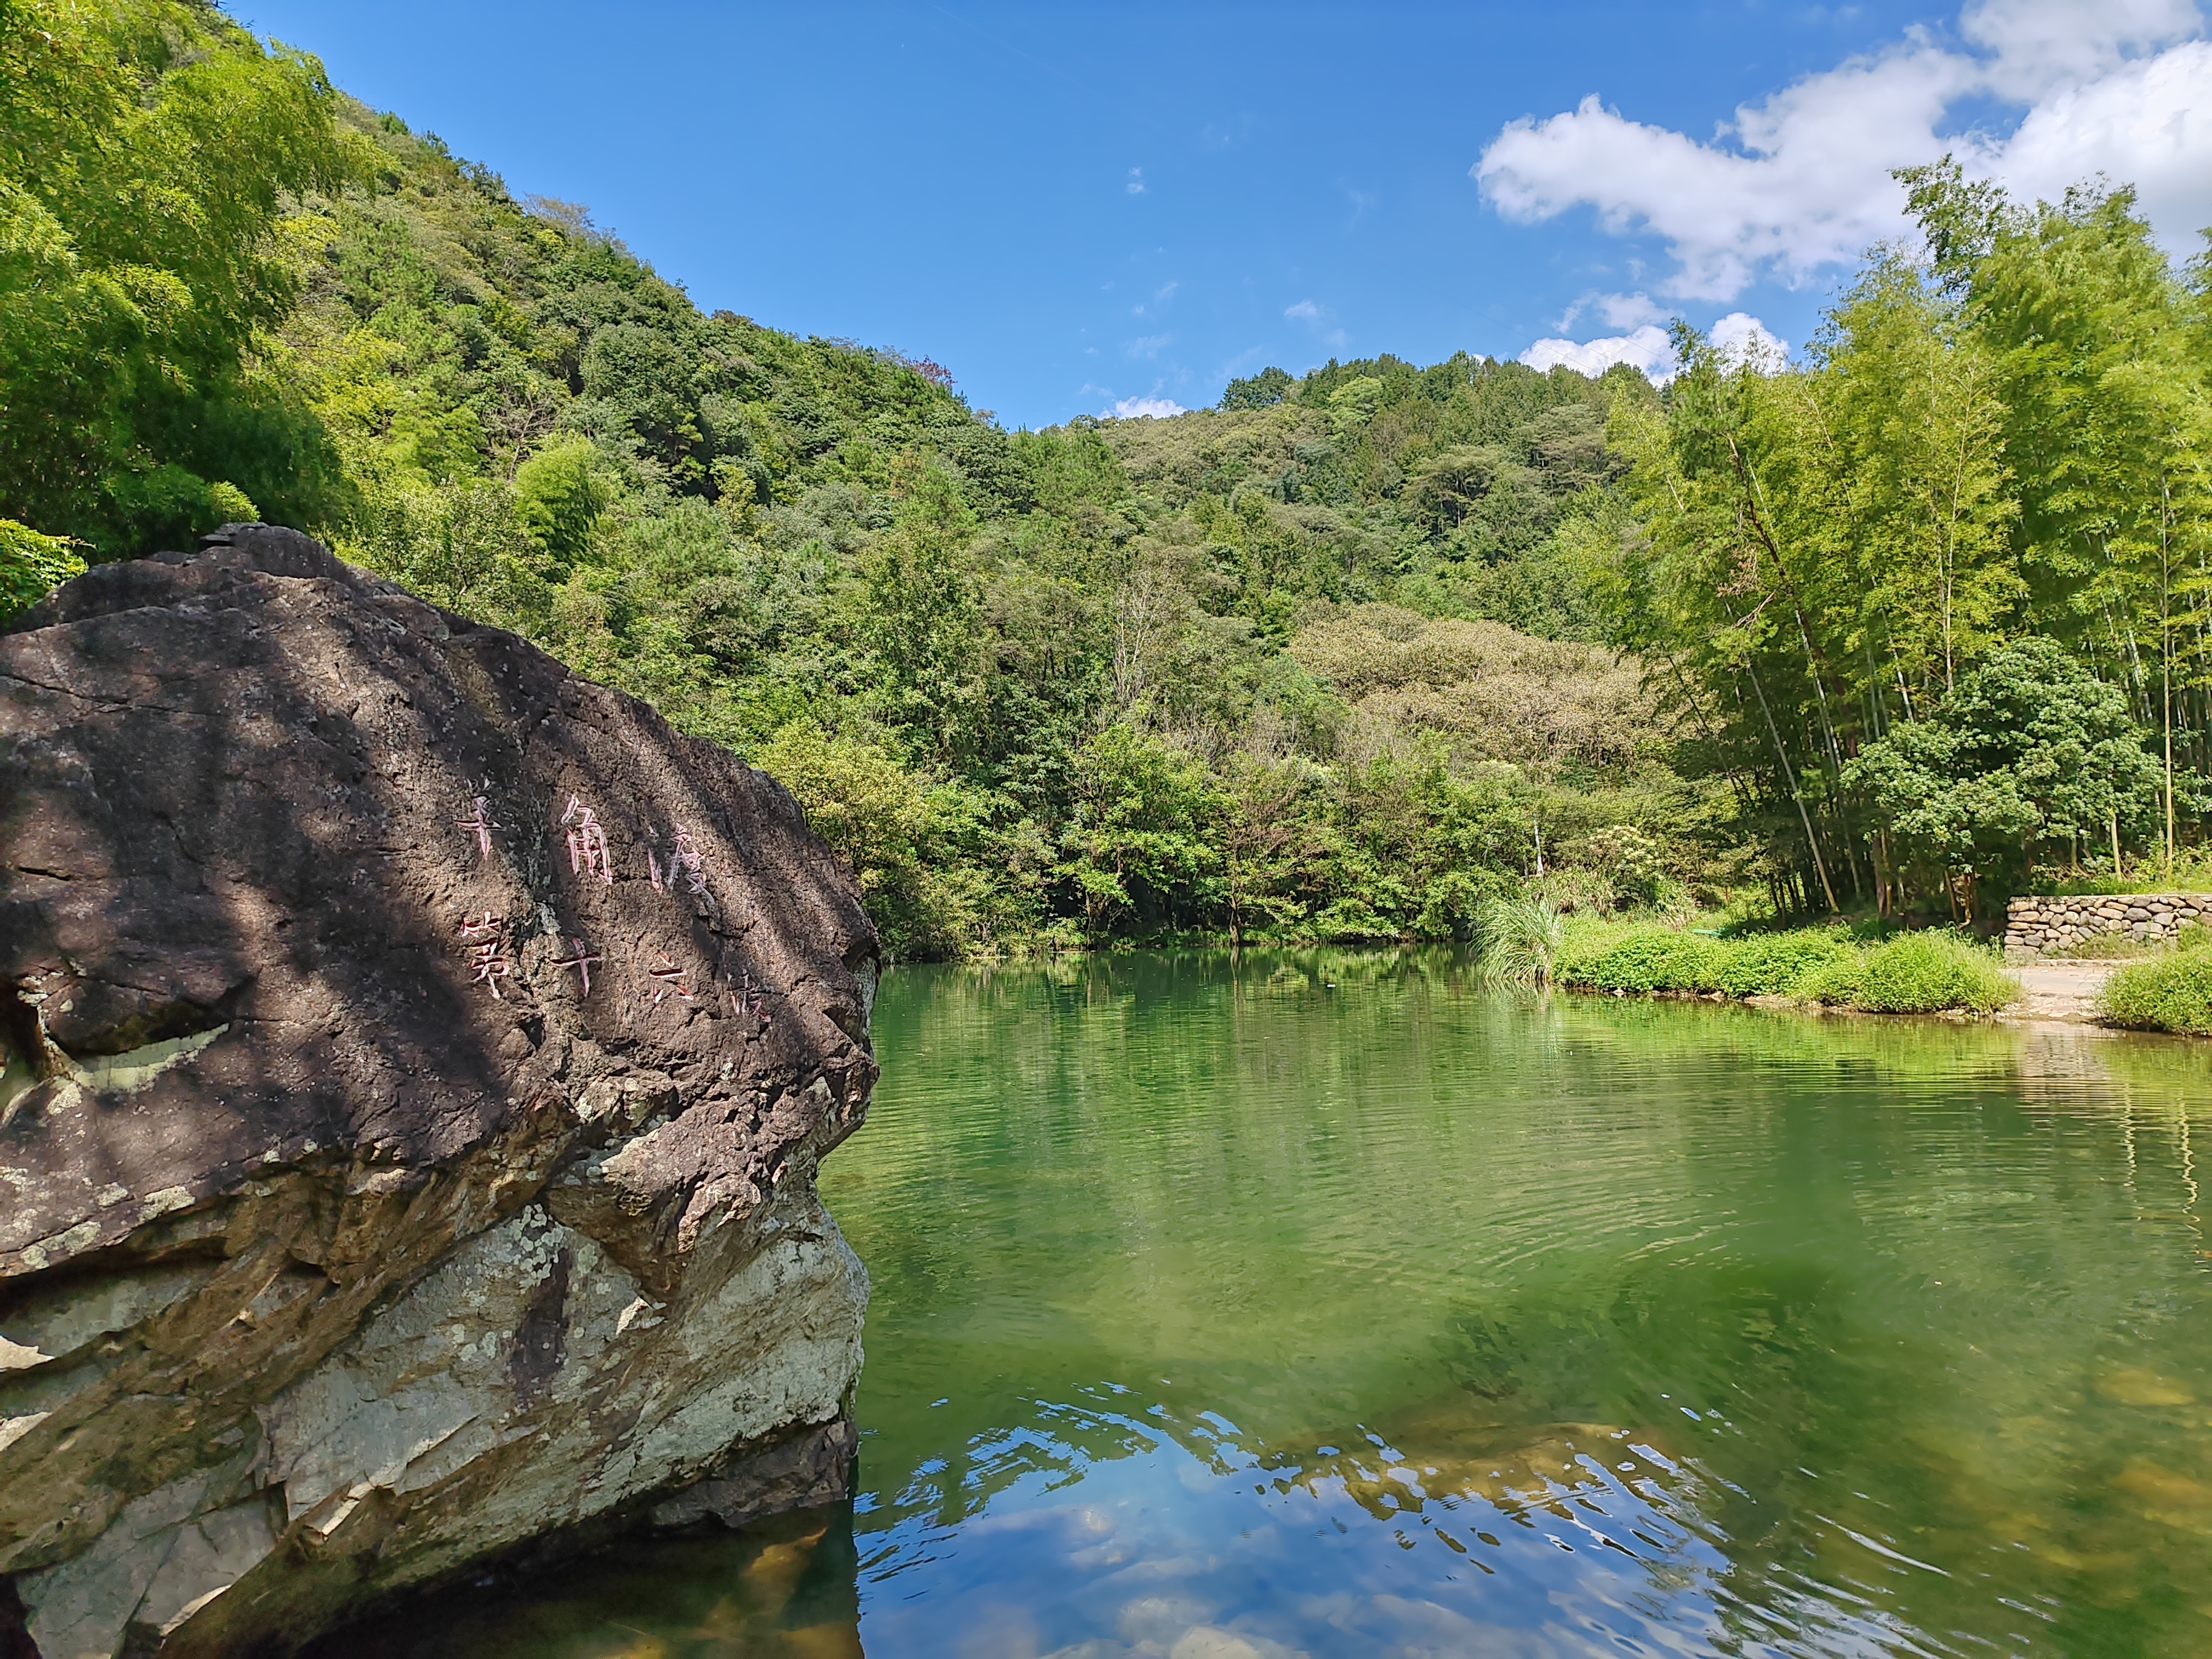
(2039, 926)
(417, 1063)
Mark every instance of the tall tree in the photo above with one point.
(146, 147)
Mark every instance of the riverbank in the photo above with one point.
(2156, 987)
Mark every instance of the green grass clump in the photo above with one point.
(1917, 974)
(1836, 982)
(2171, 994)
(1520, 941)
(1911, 974)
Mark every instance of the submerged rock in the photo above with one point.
(417, 1062)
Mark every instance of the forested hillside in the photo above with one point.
(1344, 658)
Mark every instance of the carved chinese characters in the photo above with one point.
(486, 958)
(580, 959)
(479, 821)
(655, 970)
(667, 977)
(587, 842)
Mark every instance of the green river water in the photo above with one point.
(1324, 1304)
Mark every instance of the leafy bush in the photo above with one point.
(2190, 872)
(1634, 862)
(1777, 964)
(32, 566)
(146, 153)
(1836, 983)
(1655, 958)
(1578, 892)
(1919, 973)
(1642, 960)
(903, 839)
(1353, 922)
(2173, 993)
(2031, 744)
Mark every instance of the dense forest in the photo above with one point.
(1913, 624)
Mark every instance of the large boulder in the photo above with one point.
(417, 1062)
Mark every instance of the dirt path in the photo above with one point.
(2063, 991)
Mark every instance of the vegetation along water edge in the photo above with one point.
(1529, 944)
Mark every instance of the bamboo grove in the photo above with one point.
(1937, 601)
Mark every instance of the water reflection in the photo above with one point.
(1319, 1304)
(788, 1586)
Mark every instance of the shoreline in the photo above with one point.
(2058, 994)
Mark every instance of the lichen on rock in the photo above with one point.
(417, 1061)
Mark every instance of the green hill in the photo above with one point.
(1040, 687)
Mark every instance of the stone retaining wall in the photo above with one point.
(2040, 925)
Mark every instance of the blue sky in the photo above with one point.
(1074, 207)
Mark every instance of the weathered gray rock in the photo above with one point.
(417, 1060)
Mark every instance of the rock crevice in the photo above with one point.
(417, 1062)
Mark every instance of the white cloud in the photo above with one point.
(1744, 338)
(1618, 310)
(2148, 125)
(1629, 310)
(1801, 180)
(1316, 317)
(1647, 349)
(1147, 345)
(1136, 184)
(1739, 336)
(1146, 409)
(2038, 44)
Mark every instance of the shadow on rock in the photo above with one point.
(417, 1061)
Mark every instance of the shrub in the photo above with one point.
(1835, 983)
(1634, 862)
(1354, 921)
(1923, 973)
(1913, 973)
(1578, 892)
(901, 836)
(2173, 993)
(32, 566)
(1777, 964)
(1644, 959)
